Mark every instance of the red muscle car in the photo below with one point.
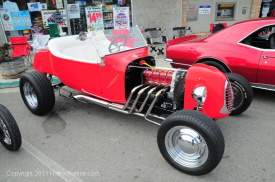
(246, 48)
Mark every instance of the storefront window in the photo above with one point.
(32, 18)
(62, 17)
(98, 14)
(267, 8)
(225, 11)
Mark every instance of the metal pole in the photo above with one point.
(132, 13)
(4, 33)
(67, 18)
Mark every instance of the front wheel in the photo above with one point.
(191, 142)
(243, 93)
(10, 135)
(37, 92)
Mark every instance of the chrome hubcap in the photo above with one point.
(30, 95)
(4, 133)
(186, 146)
(238, 95)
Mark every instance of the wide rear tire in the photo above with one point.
(37, 92)
(191, 142)
(10, 135)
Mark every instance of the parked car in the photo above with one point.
(246, 48)
(10, 135)
(116, 72)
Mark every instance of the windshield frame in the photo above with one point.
(103, 38)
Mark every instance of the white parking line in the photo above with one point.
(52, 165)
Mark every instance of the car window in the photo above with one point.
(261, 38)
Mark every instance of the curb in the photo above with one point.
(10, 83)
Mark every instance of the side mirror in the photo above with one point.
(82, 36)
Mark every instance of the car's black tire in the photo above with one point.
(215, 65)
(37, 92)
(196, 132)
(243, 93)
(10, 135)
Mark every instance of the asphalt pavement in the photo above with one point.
(86, 142)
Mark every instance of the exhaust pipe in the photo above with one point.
(123, 108)
(88, 99)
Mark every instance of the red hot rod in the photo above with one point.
(112, 68)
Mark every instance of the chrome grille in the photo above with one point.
(229, 96)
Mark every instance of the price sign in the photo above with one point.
(8, 26)
(15, 19)
(25, 20)
(7, 22)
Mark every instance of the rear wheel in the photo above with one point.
(215, 65)
(37, 92)
(10, 135)
(191, 142)
(243, 93)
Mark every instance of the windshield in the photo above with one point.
(112, 41)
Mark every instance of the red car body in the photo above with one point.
(108, 82)
(243, 48)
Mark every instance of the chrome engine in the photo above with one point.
(174, 79)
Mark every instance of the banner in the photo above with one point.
(6, 19)
(121, 18)
(94, 18)
(54, 16)
(204, 9)
(17, 20)
(25, 20)
(43, 6)
(73, 11)
(35, 6)
(59, 4)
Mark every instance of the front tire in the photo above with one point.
(37, 92)
(10, 135)
(243, 93)
(191, 142)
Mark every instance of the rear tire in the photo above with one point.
(191, 142)
(215, 65)
(243, 93)
(37, 92)
(10, 135)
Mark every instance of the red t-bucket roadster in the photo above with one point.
(112, 68)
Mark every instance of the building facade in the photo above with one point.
(197, 14)
(239, 9)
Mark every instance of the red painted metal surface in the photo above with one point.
(202, 75)
(106, 82)
(224, 47)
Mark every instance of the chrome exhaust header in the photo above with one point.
(131, 109)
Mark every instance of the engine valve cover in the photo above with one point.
(159, 76)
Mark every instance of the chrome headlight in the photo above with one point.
(199, 94)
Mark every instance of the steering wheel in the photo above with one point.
(114, 47)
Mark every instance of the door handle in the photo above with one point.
(265, 57)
